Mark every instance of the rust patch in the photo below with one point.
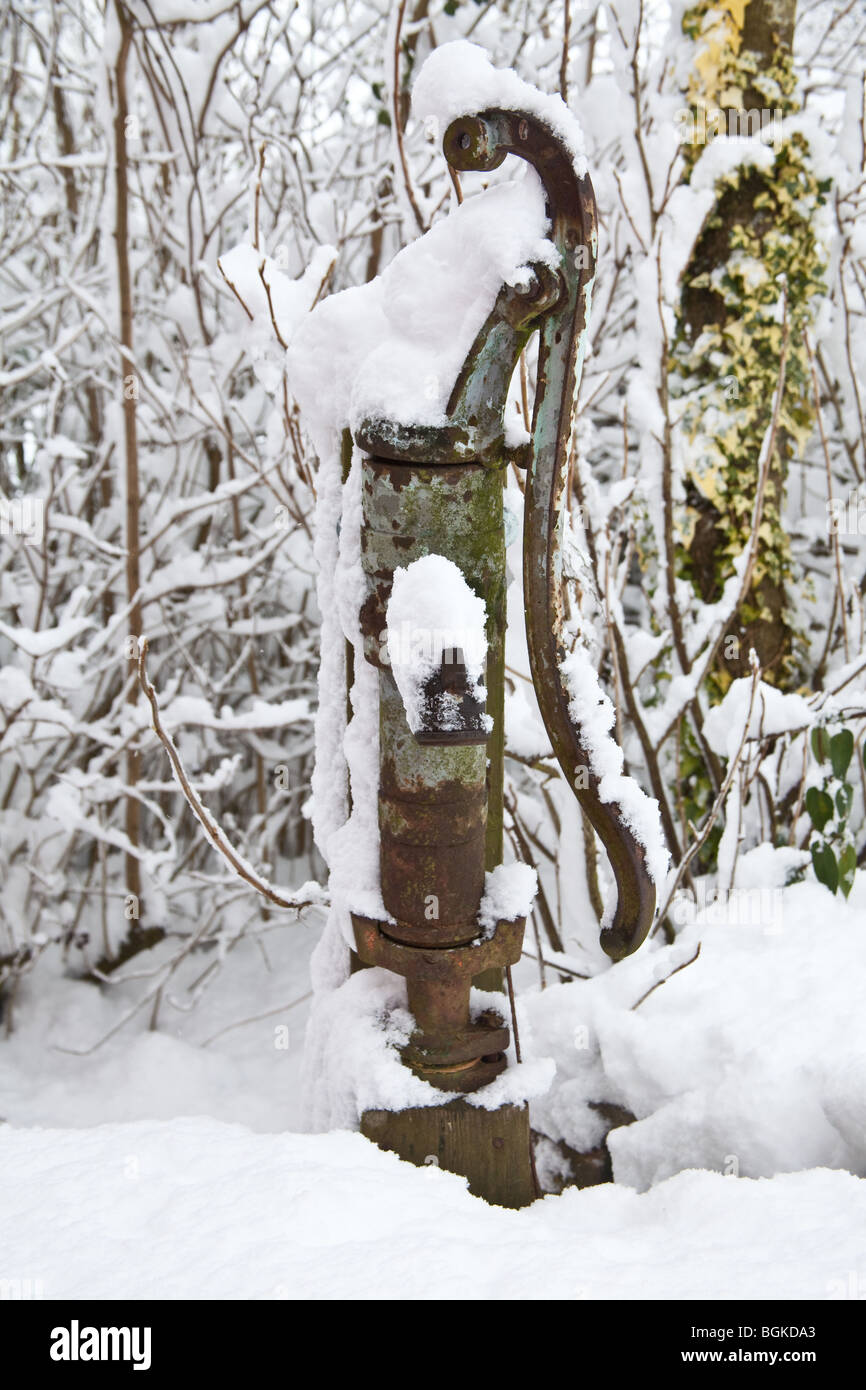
(448, 1048)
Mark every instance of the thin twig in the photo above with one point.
(563, 969)
(829, 471)
(256, 1018)
(258, 194)
(398, 123)
(311, 895)
(513, 1013)
(676, 971)
(713, 813)
(563, 61)
(535, 1182)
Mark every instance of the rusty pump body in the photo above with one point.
(433, 795)
(439, 491)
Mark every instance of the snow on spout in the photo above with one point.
(433, 612)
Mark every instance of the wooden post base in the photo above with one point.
(489, 1147)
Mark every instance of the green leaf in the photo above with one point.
(847, 867)
(820, 744)
(819, 806)
(844, 798)
(826, 868)
(841, 748)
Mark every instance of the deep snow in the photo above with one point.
(199, 1209)
(163, 1164)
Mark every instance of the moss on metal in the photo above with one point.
(456, 510)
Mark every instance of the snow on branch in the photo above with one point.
(308, 895)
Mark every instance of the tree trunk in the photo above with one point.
(720, 319)
(129, 383)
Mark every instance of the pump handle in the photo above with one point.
(481, 142)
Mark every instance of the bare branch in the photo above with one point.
(310, 895)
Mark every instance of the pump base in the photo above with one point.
(448, 1048)
(489, 1147)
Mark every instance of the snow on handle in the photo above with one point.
(458, 79)
(592, 712)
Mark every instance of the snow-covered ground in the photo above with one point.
(750, 1059)
(168, 1163)
(61, 1069)
(198, 1209)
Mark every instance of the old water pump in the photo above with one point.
(439, 491)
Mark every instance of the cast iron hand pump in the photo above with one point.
(431, 490)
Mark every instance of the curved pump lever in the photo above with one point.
(481, 142)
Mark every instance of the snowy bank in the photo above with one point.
(199, 1209)
(748, 1058)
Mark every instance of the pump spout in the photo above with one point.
(451, 710)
